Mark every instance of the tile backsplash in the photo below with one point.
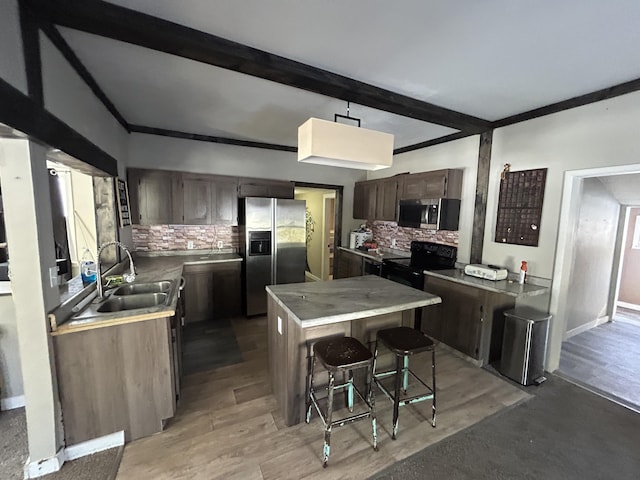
(385, 232)
(155, 238)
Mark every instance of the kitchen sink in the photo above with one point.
(133, 302)
(162, 286)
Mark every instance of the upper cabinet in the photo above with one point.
(255, 187)
(436, 184)
(387, 197)
(163, 197)
(155, 196)
(364, 199)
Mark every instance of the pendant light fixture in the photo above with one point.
(339, 145)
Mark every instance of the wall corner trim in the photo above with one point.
(44, 467)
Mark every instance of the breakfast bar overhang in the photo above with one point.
(301, 313)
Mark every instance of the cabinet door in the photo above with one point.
(457, 321)
(224, 201)
(226, 290)
(197, 200)
(387, 199)
(152, 194)
(254, 187)
(436, 184)
(198, 292)
(348, 265)
(364, 201)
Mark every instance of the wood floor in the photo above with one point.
(228, 426)
(606, 359)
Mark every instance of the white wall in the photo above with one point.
(11, 58)
(595, 243)
(69, 98)
(596, 135)
(10, 371)
(460, 154)
(152, 151)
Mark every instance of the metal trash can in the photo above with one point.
(524, 345)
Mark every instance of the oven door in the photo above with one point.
(404, 275)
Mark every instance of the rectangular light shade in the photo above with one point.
(340, 145)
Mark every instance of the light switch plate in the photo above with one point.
(280, 325)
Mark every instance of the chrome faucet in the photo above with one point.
(128, 277)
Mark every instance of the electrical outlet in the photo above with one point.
(189, 244)
(220, 244)
(53, 276)
(393, 243)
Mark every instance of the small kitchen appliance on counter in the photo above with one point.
(488, 272)
(357, 239)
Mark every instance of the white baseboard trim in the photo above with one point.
(587, 326)
(630, 306)
(44, 467)
(310, 277)
(10, 403)
(95, 445)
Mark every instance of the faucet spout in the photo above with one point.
(130, 277)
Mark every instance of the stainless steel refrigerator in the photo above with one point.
(275, 248)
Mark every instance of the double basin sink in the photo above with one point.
(129, 298)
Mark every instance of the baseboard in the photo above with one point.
(310, 277)
(44, 467)
(10, 403)
(95, 445)
(630, 306)
(587, 326)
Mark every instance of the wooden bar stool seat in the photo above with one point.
(404, 342)
(346, 355)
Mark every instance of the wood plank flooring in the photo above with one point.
(606, 359)
(228, 425)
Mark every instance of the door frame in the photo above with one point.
(326, 270)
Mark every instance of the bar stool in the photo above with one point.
(404, 342)
(344, 354)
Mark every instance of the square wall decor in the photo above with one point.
(520, 207)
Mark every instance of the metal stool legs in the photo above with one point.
(329, 353)
(403, 342)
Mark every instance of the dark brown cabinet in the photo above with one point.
(435, 184)
(469, 319)
(364, 199)
(348, 265)
(155, 196)
(253, 187)
(210, 200)
(387, 198)
(212, 291)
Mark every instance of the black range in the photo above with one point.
(424, 256)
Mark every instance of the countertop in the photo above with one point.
(148, 269)
(322, 303)
(506, 287)
(379, 256)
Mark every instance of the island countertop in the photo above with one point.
(314, 304)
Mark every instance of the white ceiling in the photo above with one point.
(490, 59)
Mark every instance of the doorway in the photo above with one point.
(599, 347)
(323, 227)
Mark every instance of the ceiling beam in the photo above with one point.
(209, 138)
(23, 113)
(119, 23)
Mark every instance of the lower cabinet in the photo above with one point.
(348, 265)
(116, 378)
(212, 291)
(469, 319)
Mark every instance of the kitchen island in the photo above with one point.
(302, 313)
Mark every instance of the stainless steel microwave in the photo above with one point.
(430, 214)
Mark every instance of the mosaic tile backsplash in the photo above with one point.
(155, 238)
(385, 232)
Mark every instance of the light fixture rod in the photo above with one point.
(347, 117)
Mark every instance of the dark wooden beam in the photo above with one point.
(61, 44)
(597, 96)
(431, 143)
(26, 115)
(208, 138)
(482, 191)
(31, 51)
(119, 23)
